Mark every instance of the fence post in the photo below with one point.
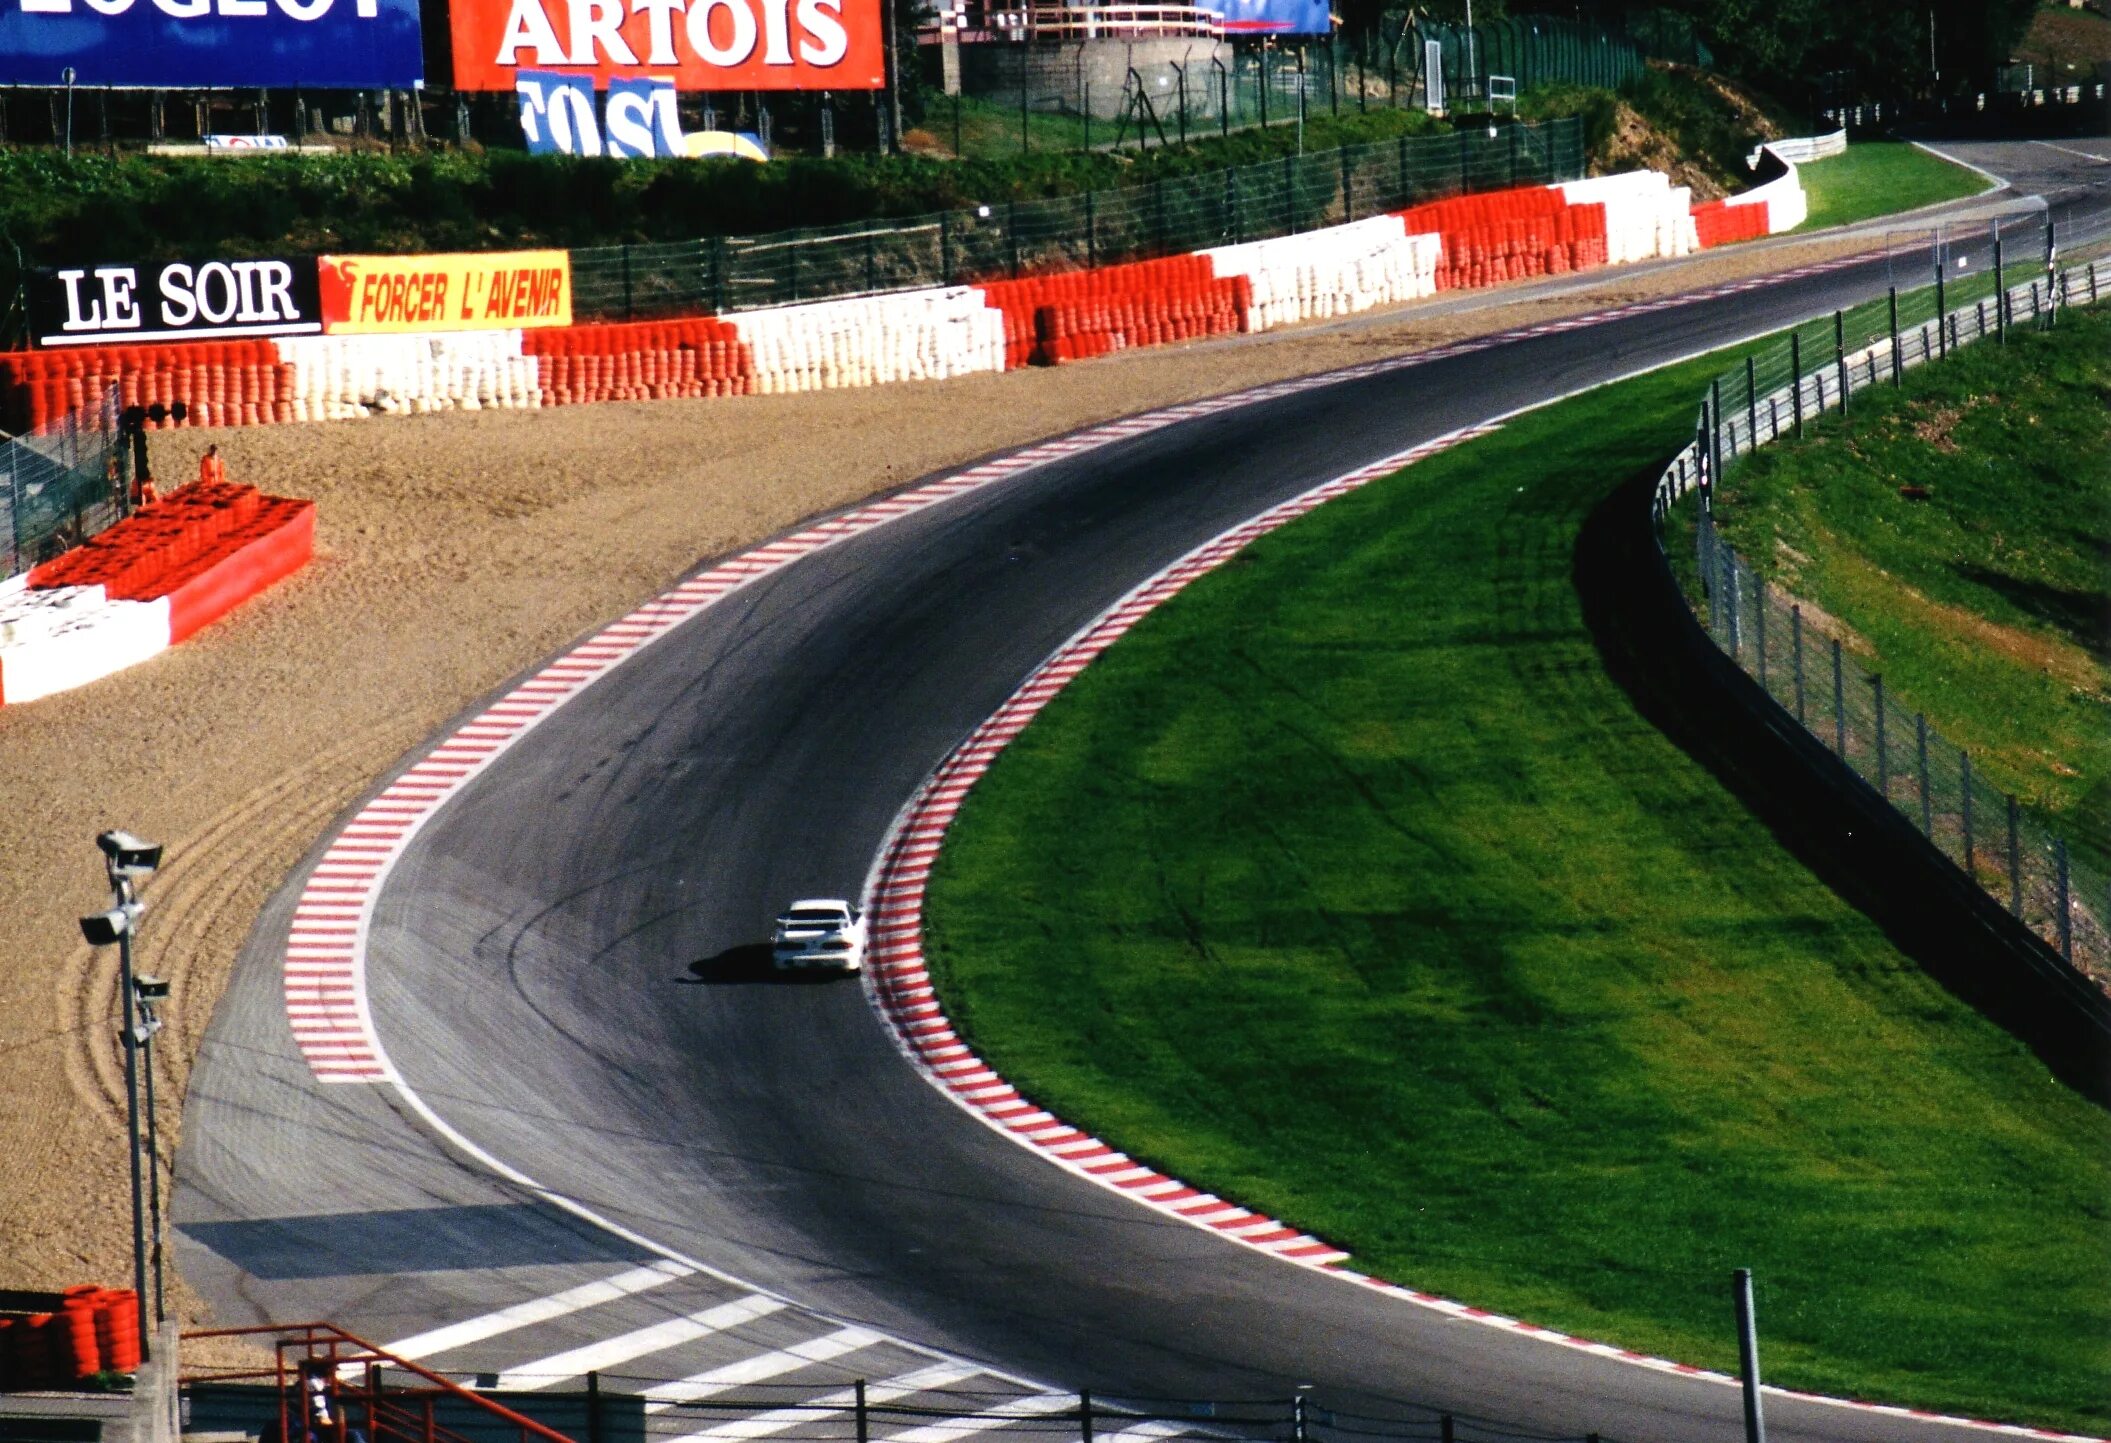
(2059, 858)
(1759, 626)
(1927, 814)
(2000, 291)
(1839, 354)
(1297, 1419)
(1795, 366)
(1964, 779)
(863, 1415)
(1883, 751)
(718, 273)
(1839, 703)
(1444, 1428)
(1348, 196)
(1898, 369)
(2015, 862)
(1084, 1416)
(593, 1407)
(1091, 232)
(1730, 629)
(1715, 428)
(945, 246)
(1942, 309)
(1751, 404)
(872, 268)
(1795, 631)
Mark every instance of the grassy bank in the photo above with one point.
(1984, 599)
(1881, 177)
(1350, 886)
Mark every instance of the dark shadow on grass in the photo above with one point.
(1830, 821)
(748, 965)
(2084, 617)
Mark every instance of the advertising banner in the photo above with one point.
(193, 44)
(494, 291)
(1273, 17)
(121, 303)
(695, 44)
(557, 116)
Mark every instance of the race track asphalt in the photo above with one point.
(562, 969)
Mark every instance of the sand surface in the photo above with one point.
(452, 552)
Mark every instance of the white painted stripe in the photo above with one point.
(608, 1352)
(1005, 1415)
(698, 1386)
(834, 1405)
(536, 1310)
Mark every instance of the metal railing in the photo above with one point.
(1012, 238)
(1799, 660)
(62, 485)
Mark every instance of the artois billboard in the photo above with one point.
(699, 44)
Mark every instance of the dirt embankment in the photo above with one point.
(453, 551)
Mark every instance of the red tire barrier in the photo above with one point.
(224, 383)
(117, 1328)
(1718, 222)
(640, 361)
(1077, 314)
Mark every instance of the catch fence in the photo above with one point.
(1793, 653)
(62, 485)
(1169, 216)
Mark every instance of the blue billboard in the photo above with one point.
(196, 44)
(1272, 17)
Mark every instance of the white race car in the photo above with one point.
(819, 933)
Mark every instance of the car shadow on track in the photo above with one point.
(748, 964)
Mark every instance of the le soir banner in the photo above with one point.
(698, 44)
(382, 295)
(194, 44)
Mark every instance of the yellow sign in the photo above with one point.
(495, 291)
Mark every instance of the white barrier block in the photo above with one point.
(1338, 271)
(92, 642)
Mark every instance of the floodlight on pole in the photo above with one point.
(127, 861)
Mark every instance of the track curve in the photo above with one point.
(558, 969)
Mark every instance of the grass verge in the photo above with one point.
(1881, 177)
(1983, 595)
(1349, 885)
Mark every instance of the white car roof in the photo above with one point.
(818, 904)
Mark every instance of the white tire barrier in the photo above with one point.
(1646, 216)
(925, 335)
(346, 377)
(1339, 271)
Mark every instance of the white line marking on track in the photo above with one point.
(763, 1366)
(834, 1405)
(1004, 1415)
(672, 1332)
(536, 1310)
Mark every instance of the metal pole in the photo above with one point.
(864, 1418)
(1964, 777)
(139, 1216)
(2059, 857)
(2015, 862)
(2000, 291)
(1751, 404)
(593, 1406)
(1444, 1429)
(1927, 814)
(1897, 369)
(1084, 1416)
(154, 1179)
(1839, 703)
(1942, 309)
(1748, 1357)
(1715, 427)
(1759, 626)
(1795, 367)
(1297, 1418)
(1839, 354)
(1795, 630)
(1883, 751)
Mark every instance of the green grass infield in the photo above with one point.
(1957, 531)
(1881, 177)
(1350, 886)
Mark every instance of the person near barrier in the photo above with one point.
(211, 467)
(144, 491)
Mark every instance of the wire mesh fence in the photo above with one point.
(936, 1403)
(1012, 238)
(1792, 654)
(62, 485)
